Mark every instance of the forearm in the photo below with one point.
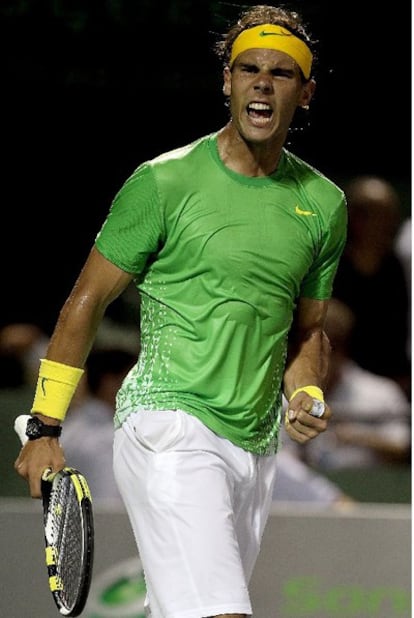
(75, 331)
(308, 361)
(61, 369)
(74, 334)
(98, 284)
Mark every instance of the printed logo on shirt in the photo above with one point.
(304, 213)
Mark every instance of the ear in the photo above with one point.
(308, 90)
(226, 81)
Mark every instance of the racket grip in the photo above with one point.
(20, 427)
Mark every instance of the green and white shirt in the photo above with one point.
(220, 260)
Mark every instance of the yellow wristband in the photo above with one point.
(313, 391)
(55, 388)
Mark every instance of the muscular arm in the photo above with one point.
(98, 284)
(307, 364)
(309, 348)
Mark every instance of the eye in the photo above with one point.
(281, 72)
(248, 68)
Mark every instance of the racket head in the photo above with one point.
(69, 538)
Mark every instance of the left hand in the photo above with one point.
(300, 425)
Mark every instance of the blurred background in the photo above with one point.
(90, 89)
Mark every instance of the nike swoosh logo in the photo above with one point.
(43, 387)
(263, 33)
(304, 213)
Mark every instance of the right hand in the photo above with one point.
(300, 424)
(35, 457)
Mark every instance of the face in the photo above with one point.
(265, 88)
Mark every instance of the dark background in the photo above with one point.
(92, 88)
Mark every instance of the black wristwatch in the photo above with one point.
(36, 428)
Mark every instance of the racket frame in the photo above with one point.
(50, 484)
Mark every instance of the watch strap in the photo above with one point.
(35, 428)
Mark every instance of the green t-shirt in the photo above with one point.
(220, 260)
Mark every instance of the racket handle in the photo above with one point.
(20, 427)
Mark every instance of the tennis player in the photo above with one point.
(233, 242)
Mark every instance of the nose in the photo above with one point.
(264, 84)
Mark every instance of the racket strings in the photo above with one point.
(64, 531)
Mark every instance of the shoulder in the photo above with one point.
(152, 170)
(312, 180)
(181, 154)
(173, 165)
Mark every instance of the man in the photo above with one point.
(233, 243)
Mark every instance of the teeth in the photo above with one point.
(260, 106)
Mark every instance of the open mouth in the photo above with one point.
(260, 112)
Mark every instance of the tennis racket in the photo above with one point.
(68, 531)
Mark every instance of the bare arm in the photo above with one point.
(98, 284)
(307, 364)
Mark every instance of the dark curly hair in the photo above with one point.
(263, 14)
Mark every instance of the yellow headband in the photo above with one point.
(269, 36)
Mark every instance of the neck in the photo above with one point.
(252, 159)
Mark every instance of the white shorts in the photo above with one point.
(198, 505)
